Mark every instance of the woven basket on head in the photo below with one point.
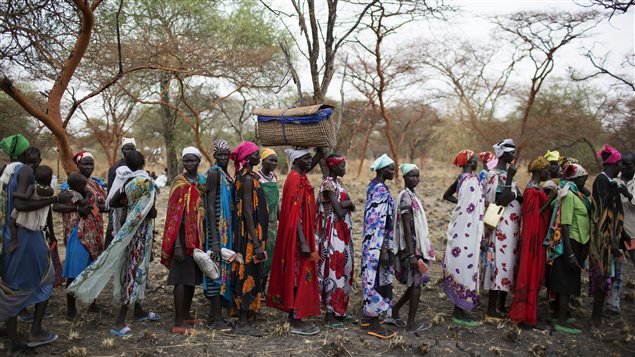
(297, 133)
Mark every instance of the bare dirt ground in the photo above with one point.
(88, 335)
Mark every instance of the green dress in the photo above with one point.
(270, 186)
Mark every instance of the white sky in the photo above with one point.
(471, 22)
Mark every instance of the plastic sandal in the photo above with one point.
(150, 316)
(335, 325)
(422, 327)
(49, 339)
(193, 322)
(465, 323)
(28, 317)
(181, 330)
(565, 329)
(380, 336)
(491, 318)
(123, 332)
(396, 322)
(308, 331)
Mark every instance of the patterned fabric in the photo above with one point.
(224, 208)
(127, 258)
(90, 229)
(608, 221)
(185, 204)
(465, 231)
(335, 245)
(497, 267)
(553, 242)
(378, 232)
(293, 282)
(538, 164)
(27, 273)
(270, 187)
(531, 270)
(463, 158)
(247, 277)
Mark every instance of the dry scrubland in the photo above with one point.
(88, 335)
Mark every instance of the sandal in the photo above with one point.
(181, 330)
(150, 316)
(384, 336)
(396, 322)
(220, 325)
(194, 321)
(466, 323)
(306, 331)
(123, 332)
(335, 325)
(49, 339)
(28, 317)
(347, 319)
(422, 327)
(565, 329)
(495, 318)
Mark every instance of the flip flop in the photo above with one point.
(348, 319)
(308, 331)
(422, 327)
(396, 322)
(465, 323)
(335, 325)
(49, 339)
(123, 332)
(380, 336)
(150, 316)
(565, 329)
(181, 330)
(491, 318)
(28, 318)
(367, 324)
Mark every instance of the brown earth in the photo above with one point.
(88, 335)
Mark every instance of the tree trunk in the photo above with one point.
(169, 132)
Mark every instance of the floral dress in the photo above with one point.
(497, 266)
(378, 232)
(465, 231)
(335, 245)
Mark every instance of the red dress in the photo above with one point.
(531, 271)
(289, 270)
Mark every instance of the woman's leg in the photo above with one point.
(502, 296)
(37, 332)
(415, 294)
(121, 319)
(402, 300)
(189, 295)
(71, 307)
(179, 305)
(598, 306)
(491, 303)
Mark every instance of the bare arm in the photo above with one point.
(25, 177)
(319, 154)
(338, 206)
(27, 194)
(449, 193)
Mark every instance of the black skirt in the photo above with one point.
(185, 272)
(562, 278)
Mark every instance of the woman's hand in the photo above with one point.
(260, 253)
(414, 262)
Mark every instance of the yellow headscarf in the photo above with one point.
(266, 152)
(552, 155)
(538, 164)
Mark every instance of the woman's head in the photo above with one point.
(336, 164)
(505, 151)
(384, 167)
(466, 158)
(135, 160)
(575, 173)
(221, 153)
(191, 159)
(128, 145)
(611, 160)
(85, 163)
(410, 174)
(245, 152)
(300, 158)
(539, 168)
(269, 159)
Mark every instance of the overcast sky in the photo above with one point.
(472, 22)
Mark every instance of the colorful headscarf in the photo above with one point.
(381, 162)
(463, 157)
(126, 141)
(191, 150)
(296, 153)
(573, 171)
(538, 164)
(335, 160)
(405, 168)
(14, 145)
(552, 155)
(564, 161)
(486, 157)
(241, 152)
(266, 152)
(614, 155)
(80, 155)
(504, 146)
(220, 144)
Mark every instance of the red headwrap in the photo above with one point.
(613, 155)
(485, 157)
(80, 155)
(239, 154)
(463, 157)
(335, 160)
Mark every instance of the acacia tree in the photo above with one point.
(46, 39)
(540, 35)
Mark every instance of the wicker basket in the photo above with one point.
(296, 126)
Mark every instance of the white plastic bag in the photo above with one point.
(206, 264)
